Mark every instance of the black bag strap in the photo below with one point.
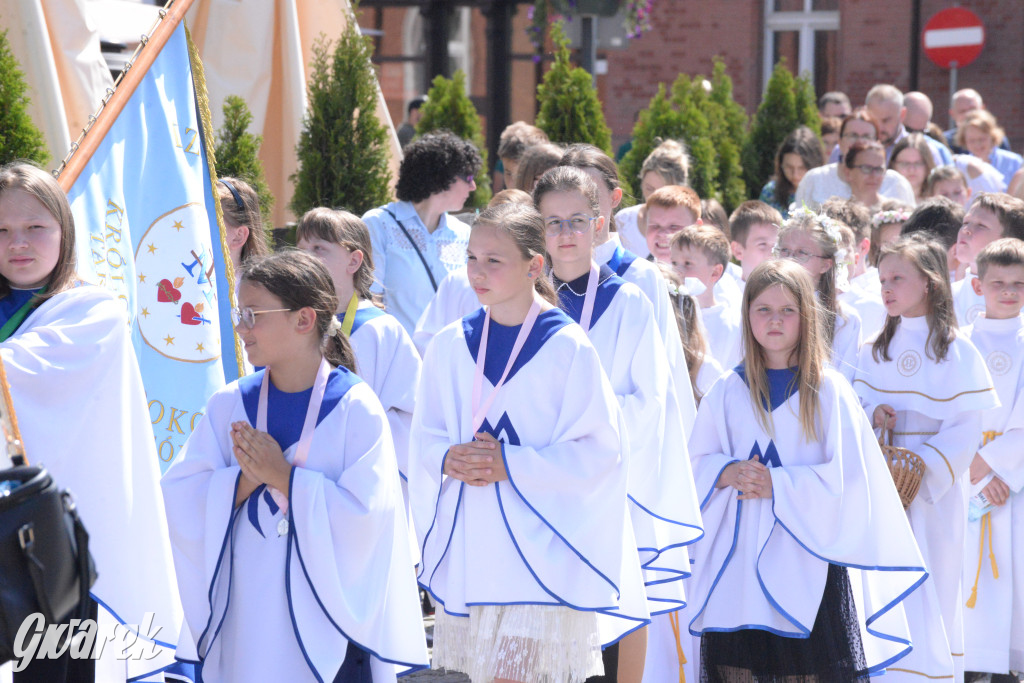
(85, 573)
(433, 282)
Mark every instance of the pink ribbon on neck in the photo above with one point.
(308, 426)
(480, 410)
(588, 299)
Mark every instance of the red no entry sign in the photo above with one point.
(953, 37)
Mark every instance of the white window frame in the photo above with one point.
(805, 22)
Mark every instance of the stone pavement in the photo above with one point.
(431, 675)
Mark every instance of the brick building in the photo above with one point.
(847, 45)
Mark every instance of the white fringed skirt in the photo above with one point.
(526, 643)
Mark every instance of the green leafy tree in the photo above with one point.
(343, 150)
(448, 107)
(237, 152)
(570, 110)
(728, 123)
(19, 137)
(788, 103)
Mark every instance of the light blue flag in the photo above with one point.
(146, 222)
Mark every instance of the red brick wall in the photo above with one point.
(874, 47)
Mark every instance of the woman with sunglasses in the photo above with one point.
(833, 180)
(619, 321)
(416, 242)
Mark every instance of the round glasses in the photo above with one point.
(247, 317)
(577, 225)
(800, 255)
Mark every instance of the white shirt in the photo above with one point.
(399, 273)
(627, 226)
(822, 183)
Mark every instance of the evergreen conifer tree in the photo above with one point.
(658, 120)
(788, 103)
(19, 137)
(237, 152)
(343, 150)
(728, 123)
(570, 110)
(691, 100)
(448, 107)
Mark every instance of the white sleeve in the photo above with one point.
(375, 221)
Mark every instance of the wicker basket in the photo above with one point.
(906, 467)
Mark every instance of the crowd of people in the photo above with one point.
(602, 443)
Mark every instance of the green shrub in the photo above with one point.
(569, 110)
(237, 153)
(449, 108)
(788, 103)
(19, 137)
(343, 150)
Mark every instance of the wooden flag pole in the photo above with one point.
(82, 149)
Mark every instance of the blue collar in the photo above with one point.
(501, 339)
(621, 260)
(363, 315)
(572, 294)
(782, 384)
(287, 411)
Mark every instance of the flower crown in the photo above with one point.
(830, 226)
(889, 217)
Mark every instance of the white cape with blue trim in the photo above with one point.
(554, 533)
(341, 573)
(764, 562)
(663, 502)
(82, 411)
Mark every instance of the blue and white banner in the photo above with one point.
(147, 229)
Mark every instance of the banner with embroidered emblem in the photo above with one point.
(140, 184)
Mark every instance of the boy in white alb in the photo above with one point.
(993, 576)
(992, 215)
(702, 252)
(753, 228)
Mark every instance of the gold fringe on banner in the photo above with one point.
(206, 121)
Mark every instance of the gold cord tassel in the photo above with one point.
(673, 618)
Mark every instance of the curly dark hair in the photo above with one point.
(432, 163)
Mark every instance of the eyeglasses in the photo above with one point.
(908, 165)
(468, 178)
(800, 255)
(870, 170)
(867, 137)
(577, 225)
(247, 317)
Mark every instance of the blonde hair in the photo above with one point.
(524, 225)
(672, 196)
(811, 352)
(241, 206)
(928, 256)
(511, 196)
(348, 230)
(669, 160)
(695, 347)
(24, 176)
(983, 121)
(709, 239)
(830, 244)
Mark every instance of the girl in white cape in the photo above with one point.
(518, 477)
(619, 321)
(82, 412)
(385, 356)
(807, 556)
(815, 242)
(926, 382)
(285, 508)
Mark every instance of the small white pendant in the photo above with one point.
(282, 527)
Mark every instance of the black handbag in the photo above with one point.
(45, 565)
